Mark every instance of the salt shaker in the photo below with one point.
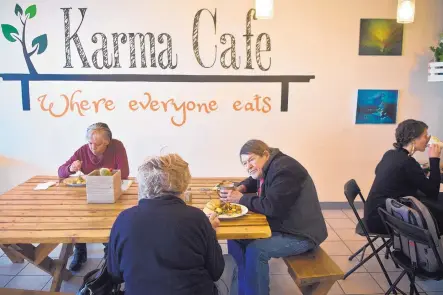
(188, 196)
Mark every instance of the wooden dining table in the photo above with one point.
(34, 222)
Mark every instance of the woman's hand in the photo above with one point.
(75, 166)
(434, 151)
(213, 219)
(231, 196)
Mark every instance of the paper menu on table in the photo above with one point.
(44, 186)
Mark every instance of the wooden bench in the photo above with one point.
(314, 272)
(7, 291)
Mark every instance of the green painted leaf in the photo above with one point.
(8, 30)
(42, 42)
(31, 11)
(18, 10)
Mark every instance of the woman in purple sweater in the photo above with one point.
(101, 151)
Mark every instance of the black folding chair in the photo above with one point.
(415, 235)
(352, 190)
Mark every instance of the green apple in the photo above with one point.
(105, 172)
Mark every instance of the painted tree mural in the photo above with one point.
(38, 44)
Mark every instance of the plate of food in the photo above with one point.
(225, 210)
(75, 181)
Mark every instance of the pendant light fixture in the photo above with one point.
(264, 9)
(405, 11)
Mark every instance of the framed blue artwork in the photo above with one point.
(376, 106)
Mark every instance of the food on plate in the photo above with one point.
(75, 180)
(223, 208)
(214, 204)
(79, 180)
(105, 172)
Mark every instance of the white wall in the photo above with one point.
(316, 37)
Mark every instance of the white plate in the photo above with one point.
(126, 184)
(69, 181)
(244, 211)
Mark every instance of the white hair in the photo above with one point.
(101, 128)
(162, 175)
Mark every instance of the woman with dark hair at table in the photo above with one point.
(398, 174)
(282, 189)
(100, 151)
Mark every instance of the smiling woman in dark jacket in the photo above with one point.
(280, 188)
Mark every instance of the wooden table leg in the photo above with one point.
(42, 251)
(60, 272)
(321, 288)
(28, 252)
(14, 258)
(38, 257)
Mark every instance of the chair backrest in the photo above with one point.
(414, 240)
(352, 190)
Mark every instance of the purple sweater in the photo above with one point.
(114, 157)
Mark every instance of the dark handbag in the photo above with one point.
(99, 282)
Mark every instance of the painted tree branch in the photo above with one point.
(25, 51)
(11, 34)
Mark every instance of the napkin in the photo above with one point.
(126, 184)
(44, 186)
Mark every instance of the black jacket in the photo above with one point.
(162, 246)
(288, 198)
(399, 175)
